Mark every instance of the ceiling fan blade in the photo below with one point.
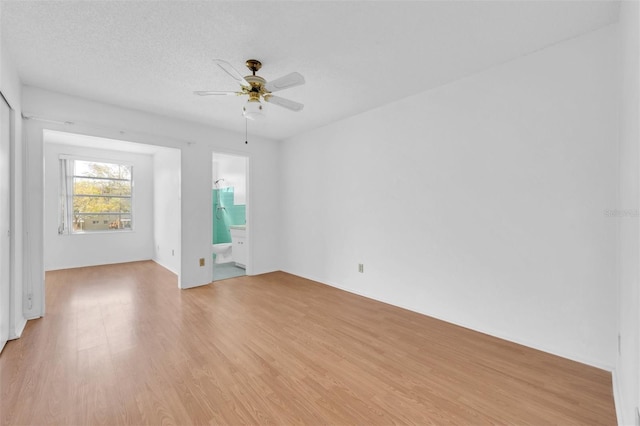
(229, 69)
(215, 92)
(289, 80)
(285, 103)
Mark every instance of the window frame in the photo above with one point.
(66, 228)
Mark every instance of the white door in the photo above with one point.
(5, 199)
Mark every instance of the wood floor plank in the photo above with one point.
(121, 344)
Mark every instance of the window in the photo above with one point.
(95, 196)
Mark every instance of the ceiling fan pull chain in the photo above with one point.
(246, 138)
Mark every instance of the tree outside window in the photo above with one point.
(101, 196)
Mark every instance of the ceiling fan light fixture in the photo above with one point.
(253, 110)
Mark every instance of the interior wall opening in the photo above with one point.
(110, 201)
(230, 241)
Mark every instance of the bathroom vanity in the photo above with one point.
(238, 241)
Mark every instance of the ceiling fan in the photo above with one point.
(257, 88)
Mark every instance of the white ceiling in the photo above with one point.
(355, 56)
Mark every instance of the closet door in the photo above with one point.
(5, 199)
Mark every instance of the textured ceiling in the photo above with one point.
(355, 56)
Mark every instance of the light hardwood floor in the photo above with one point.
(121, 344)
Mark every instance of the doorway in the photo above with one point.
(230, 243)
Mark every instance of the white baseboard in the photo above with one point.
(83, 265)
(570, 356)
(193, 285)
(17, 332)
(168, 268)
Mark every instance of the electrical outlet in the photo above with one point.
(173, 254)
(202, 261)
(361, 267)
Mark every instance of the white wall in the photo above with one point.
(480, 202)
(11, 88)
(5, 221)
(627, 372)
(166, 209)
(196, 143)
(233, 170)
(98, 248)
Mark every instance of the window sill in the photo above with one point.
(119, 231)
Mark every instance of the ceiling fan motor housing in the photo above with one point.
(257, 87)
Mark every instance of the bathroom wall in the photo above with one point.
(229, 194)
(231, 171)
(225, 214)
